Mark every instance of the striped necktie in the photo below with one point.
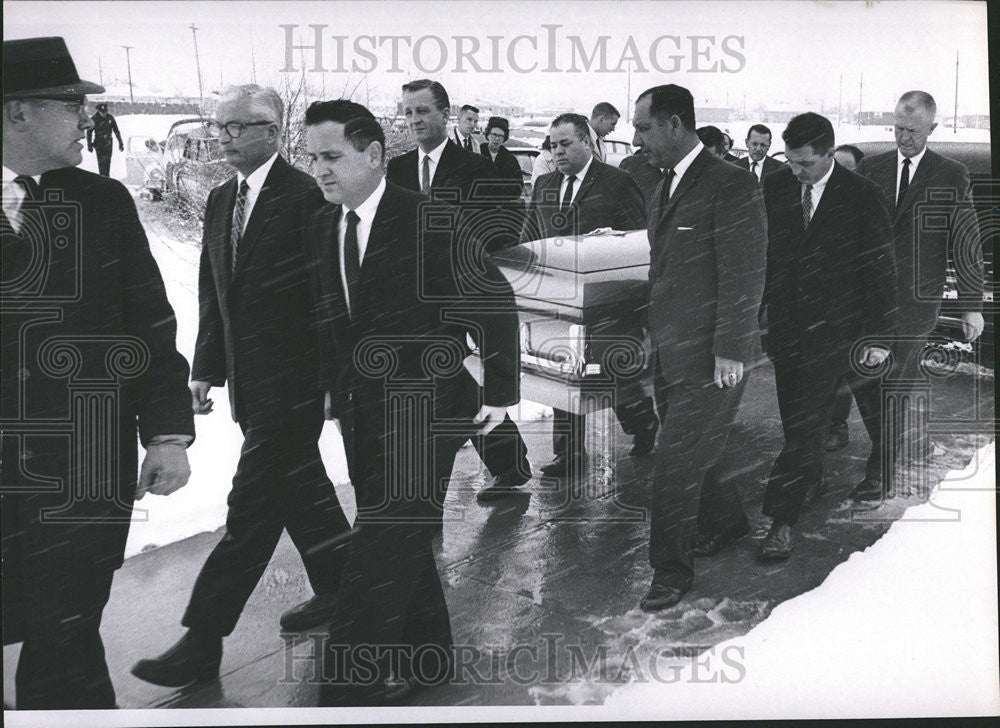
(239, 216)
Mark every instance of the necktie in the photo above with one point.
(599, 150)
(239, 215)
(753, 170)
(468, 143)
(668, 180)
(352, 258)
(17, 192)
(568, 194)
(807, 206)
(904, 182)
(425, 176)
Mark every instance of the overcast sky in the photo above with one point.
(795, 53)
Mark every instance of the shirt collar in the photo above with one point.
(914, 160)
(10, 175)
(255, 180)
(681, 167)
(583, 171)
(819, 185)
(434, 154)
(367, 209)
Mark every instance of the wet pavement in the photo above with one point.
(543, 587)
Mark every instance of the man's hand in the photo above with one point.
(121, 147)
(488, 418)
(972, 325)
(200, 403)
(728, 372)
(872, 356)
(164, 470)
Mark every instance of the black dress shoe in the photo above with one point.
(563, 464)
(777, 545)
(661, 596)
(837, 437)
(194, 658)
(644, 441)
(503, 485)
(868, 490)
(310, 613)
(714, 543)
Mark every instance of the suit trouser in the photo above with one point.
(689, 491)
(391, 615)
(868, 394)
(569, 430)
(842, 401)
(806, 391)
(103, 160)
(280, 483)
(56, 582)
(503, 449)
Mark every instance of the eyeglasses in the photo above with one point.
(71, 105)
(233, 128)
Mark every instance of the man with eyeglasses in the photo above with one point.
(88, 362)
(255, 336)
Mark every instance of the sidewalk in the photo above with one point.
(553, 568)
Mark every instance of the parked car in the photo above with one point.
(616, 150)
(525, 157)
(189, 162)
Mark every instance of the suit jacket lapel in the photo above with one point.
(585, 184)
(379, 242)
(918, 182)
(219, 237)
(262, 213)
(690, 178)
(826, 202)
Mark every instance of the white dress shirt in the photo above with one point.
(435, 157)
(13, 197)
(914, 161)
(817, 190)
(255, 182)
(366, 216)
(576, 185)
(760, 167)
(682, 166)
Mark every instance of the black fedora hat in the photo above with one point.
(39, 67)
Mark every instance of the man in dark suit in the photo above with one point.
(88, 360)
(440, 169)
(394, 315)
(99, 137)
(906, 178)
(583, 195)
(757, 161)
(707, 244)
(255, 334)
(603, 120)
(466, 134)
(831, 282)
(646, 175)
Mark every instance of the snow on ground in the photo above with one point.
(138, 125)
(907, 627)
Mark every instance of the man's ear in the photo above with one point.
(14, 112)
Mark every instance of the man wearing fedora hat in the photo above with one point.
(88, 362)
(99, 138)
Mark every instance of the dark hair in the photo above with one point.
(760, 129)
(360, 125)
(852, 150)
(603, 108)
(437, 91)
(498, 122)
(580, 123)
(102, 107)
(711, 137)
(547, 143)
(809, 129)
(671, 100)
(466, 107)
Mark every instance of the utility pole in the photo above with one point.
(840, 98)
(197, 63)
(628, 94)
(128, 63)
(253, 61)
(100, 71)
(954, 122)
(861, 86)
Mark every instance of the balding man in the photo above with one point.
(255, 335)
(906, 176)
